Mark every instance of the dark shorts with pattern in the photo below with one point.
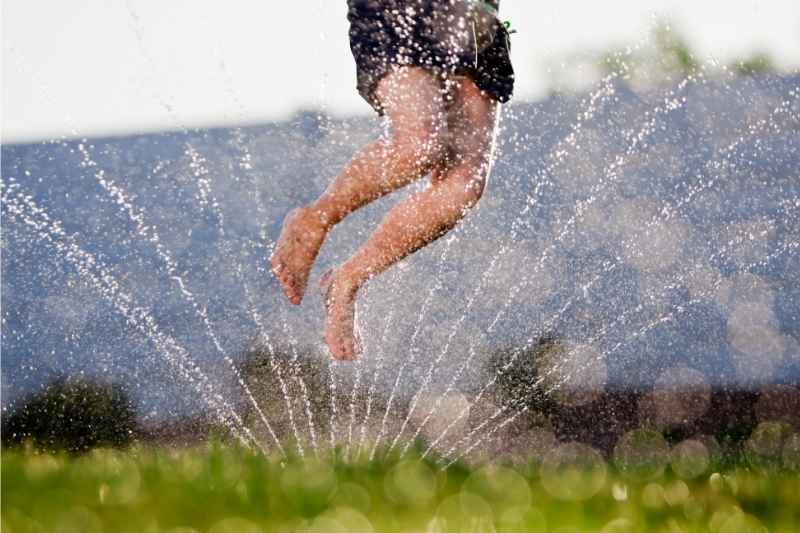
(385, 34)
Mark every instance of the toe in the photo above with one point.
(294, 294)
(289, 287)
(281, 273)
(276, 264)
(337, 347)
(345, 354)
(348, 351)
(335, 353)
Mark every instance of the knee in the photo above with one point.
(469, 186)
(424, 146)
(473, 190)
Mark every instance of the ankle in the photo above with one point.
(349, 279)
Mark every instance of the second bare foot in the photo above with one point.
(339, 298)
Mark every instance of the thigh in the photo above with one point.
(472, 119)
(413, 101)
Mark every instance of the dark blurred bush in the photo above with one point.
(288, 385)
(74, 415)
(758, 63)
(518, 381)
(293, 387)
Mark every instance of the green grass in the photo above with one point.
(223, 489)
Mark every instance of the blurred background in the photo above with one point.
(100, 67)
(640, 232)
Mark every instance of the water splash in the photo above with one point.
(666, 213)
(740, 152)
(24, 208)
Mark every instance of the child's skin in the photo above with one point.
(448, 134)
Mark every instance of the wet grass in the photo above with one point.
(223, 489)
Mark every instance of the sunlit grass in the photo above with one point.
(220, 489)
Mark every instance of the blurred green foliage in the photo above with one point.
(670, 55)
(758, 63)
(216, 488)
(676, 54)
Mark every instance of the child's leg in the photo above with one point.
(423, 217)
(413, 104)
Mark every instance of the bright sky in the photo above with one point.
(88, 67)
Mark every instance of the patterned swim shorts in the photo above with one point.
(424, 33)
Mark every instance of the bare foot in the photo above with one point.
(339, 298)
(301, 238)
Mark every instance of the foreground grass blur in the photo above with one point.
(221, 489)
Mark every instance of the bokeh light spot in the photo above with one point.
(410, 483)
(235, 525)
(463, 512)
(690, 459)
(502, 487)
(573, 472)
(791, 453)
(641, 454)
(765, 446)
(619, 525)
(308, 485)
